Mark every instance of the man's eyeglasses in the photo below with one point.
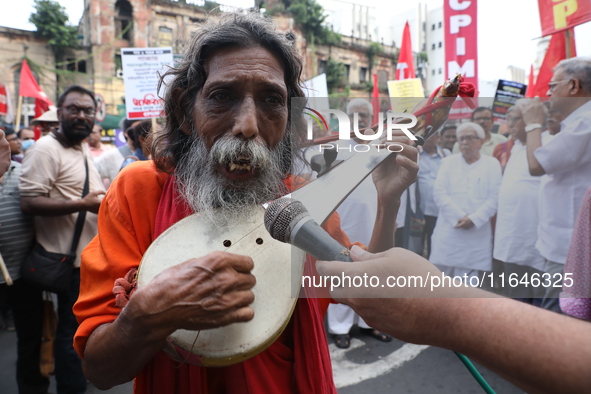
(552, 85)
(75, 110)
(487, 119)
(468, 138)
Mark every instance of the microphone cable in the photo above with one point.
(475, 374)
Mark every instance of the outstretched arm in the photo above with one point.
(539, 351)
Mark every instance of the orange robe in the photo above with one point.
(127, 220)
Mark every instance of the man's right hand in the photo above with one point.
(202, 293)
(92, 201)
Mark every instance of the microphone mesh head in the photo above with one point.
(280, 217)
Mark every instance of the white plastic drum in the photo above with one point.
(278, 268)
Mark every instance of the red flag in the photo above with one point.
(405, 69)
(559, 15)
(375, 101)
(555, 53)
(30, 88)
(531, 84)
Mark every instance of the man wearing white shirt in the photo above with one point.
(430, 158)
(466, 192)
(566, 159)
(517, 217)
(357, 215)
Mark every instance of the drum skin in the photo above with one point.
(278, 268)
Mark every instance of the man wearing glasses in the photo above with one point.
(484, 117)
(564, 162)
(51, 187)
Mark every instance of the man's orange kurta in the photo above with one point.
(126, 229)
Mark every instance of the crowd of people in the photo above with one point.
(468, 198)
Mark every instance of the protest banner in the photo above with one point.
(508, 92)
(141, 72)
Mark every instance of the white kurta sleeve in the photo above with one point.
(489, 208)
(447, 207)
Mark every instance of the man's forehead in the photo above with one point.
(485, 112)
(217, 65)
(359, 108)
(468, 131)
(77, 97)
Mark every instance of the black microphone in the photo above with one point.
(288, 221)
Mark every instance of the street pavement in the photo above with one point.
(368, 366)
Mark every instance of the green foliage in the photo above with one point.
(50, 19)
(309, 15)
(335, 75)
(210, 5)
(372, 51)
(422, 57)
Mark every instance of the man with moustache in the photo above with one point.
(229, 141)
(564, 162)
(51, 187)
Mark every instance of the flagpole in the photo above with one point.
(568, 47)
(18, 112)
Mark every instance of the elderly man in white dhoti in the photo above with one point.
(466, 192)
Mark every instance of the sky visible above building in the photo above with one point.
(507, 29)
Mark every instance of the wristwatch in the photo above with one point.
(532, 126)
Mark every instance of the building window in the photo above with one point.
(347, 72)
(362, 74)
(440, 25)
(118, 65)
(322, 67)
(123, 19)
(73, 65)
(439, 71)
(433, 46)
(440, 44)
(433, 72)
(382, 78)
(165, 36)
(433, 26)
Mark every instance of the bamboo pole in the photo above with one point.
(567, 44)
(19, 109)
(7, 277)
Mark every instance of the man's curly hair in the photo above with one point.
(233, 30)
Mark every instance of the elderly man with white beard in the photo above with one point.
(228, 143)
(466, 192)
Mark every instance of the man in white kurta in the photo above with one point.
(466, 192)
(517, 218)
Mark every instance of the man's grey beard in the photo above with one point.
(205, 189)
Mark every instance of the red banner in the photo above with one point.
(559, 15)
(461, 47)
